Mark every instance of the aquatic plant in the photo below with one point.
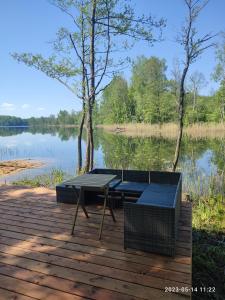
(47, 180)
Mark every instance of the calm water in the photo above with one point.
(57, 148)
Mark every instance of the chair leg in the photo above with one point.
(103, 215)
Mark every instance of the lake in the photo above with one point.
(57, 148)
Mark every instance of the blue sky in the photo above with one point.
(29, 26)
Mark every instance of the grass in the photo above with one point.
(168, 130)
(47, 180)
(208, 250)
(208, 222)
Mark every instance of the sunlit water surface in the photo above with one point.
(57, 148)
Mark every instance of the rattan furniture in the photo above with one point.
(151, 201)
(151, 223)
(90, 182)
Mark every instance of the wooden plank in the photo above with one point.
(183, 236)
(8, 295)
(65, 214)
(33, 290)
(104, 261)
(82, 237)
(78, 243)
(71, 287)
(35, 242)
(90, 218)
(130, 289)
(20, 214)
(93, 242)
(84, 269)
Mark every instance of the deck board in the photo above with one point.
(40, 259)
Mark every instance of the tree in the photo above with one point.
(174, 83)
(219, 76)
(101, 27)
(193, 47)
(196, 82)
(147, 87)
(115, 105)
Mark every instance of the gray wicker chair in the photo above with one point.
(151, 224)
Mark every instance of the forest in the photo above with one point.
(62, 118)
(151, 97)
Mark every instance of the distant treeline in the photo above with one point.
(63, 118)
(12, 121)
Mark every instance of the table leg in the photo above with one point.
(104, 208)
(85, 211)
(77, 207)
(111, 212)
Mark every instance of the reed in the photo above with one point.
(47, 180)
(167, 130)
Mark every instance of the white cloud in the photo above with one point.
(6, 106)
(25, 106)
(40, 108)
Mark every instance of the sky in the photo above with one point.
(30, 26)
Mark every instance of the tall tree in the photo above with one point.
(196, 82)
(148, 86)
(193, 46)
(175, 80)
(219, 76)
(116, 106)
(101, 28)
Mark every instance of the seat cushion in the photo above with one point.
(162, 188)
(114, 183)
(131, 187)
(158, 195)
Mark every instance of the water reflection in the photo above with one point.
(58, 147)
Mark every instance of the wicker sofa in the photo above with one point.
(151, 201)
(151, 223)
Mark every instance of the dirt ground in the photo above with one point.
(15, 166)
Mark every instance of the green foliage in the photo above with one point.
(50, 66)
(209, 246)
(152, 98)
(116, 106)
(219, 72)
(209, 214)
(47, 180)
(208, 254)
(149, 83)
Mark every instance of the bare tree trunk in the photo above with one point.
(194, 100)
(181, 116)
(223, 110)
(79, 140)
(90, 140)
(87, 162)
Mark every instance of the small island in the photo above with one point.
(15, 166)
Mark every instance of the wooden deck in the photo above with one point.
(40, 260)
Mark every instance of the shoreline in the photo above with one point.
(167, 130)
(9, 167)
